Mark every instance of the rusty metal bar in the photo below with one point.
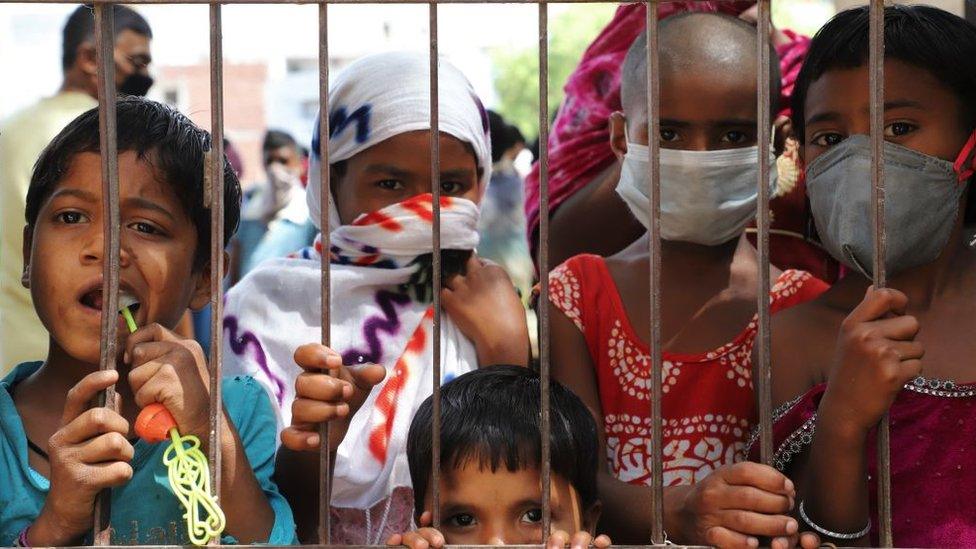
(544, 344)
(876, 66)
(325, 200)
(435, 183)
(304, 2)
(654, 195)
(764, 379)
(216, 241)
(111, 229)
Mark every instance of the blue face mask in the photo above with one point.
(922, 196)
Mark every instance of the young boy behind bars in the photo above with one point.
(56, 452)
(601, 320)
(491, 465)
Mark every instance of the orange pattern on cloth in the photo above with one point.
(708, 399)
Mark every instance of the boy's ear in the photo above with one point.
(618, 134)
(28, 241)
(201, 291)
(592, 516)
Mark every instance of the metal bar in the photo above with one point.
(111, 229)
(654, 194)
(325, 457)
(216, 241)
(876, 62)
(764, 379)
(435, 183)
(305, 2)
(544, 344)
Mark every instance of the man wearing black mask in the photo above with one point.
(25, 134)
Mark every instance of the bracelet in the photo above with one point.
(22, 538)
(836, 535)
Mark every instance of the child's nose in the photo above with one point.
(94, 249)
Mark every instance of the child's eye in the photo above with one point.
(143, 227)
(668, 134)
(735, 137)
(898, 129)
(827, 139)
(71, 218)
(461, 520)
(453, 187)
(390, 184)
(533, 516)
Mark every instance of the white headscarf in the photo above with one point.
(275, 308)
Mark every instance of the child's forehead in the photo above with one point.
(137, 177)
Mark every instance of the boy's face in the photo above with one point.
(920, 112)
(399, 168)
(64, 254)
(700, 111)
(481, 507)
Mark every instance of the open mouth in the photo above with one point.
(93, 300)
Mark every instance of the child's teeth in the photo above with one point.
(126, 300)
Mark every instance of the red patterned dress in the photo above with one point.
(708, 404)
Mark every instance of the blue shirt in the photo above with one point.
(144, 511)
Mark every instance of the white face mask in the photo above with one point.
(707, 197)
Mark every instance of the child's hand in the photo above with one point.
(321, 397)
(172, 371)
(736, 505)
(876, 355)
(579, 540)
(484, 305)
(87, 454)
(425, 537)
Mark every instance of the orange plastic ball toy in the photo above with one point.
(154, 423)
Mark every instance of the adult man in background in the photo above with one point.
(25, 134)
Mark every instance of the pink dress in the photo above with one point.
(933, 460)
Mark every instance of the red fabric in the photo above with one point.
(579, 143)
(933, 480)
(708, 406)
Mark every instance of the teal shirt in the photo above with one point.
(144, 511)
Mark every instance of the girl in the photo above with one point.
(709, 170)
(381, 321)
(857, 352)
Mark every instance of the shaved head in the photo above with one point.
(715, 49)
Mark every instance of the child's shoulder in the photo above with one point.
(246, 402)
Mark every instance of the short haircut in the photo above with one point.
(492, 416)
(163, 138)
(276, 139)
(80, 28)
(933, 40)
(675, 41)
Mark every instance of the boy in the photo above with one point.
(491, 462)
(601, 315)
(75, 452)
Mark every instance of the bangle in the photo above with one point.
(836, 535)
(22, 538)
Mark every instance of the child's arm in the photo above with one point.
(484, 305)
(87, 454)
(173, 372)
(319, 397)
(876, 355)
(732, 507)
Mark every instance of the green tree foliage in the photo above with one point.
(517, 72)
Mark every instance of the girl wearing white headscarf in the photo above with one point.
(381, 310)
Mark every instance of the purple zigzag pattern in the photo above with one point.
(389, 323)
(240, 343)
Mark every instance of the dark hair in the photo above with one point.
(492, 416)
(163, 138)
(504, 136)
(80, 28)
(276, 139)
(931, 39)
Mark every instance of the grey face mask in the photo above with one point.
(922, 195)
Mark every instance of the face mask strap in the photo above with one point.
(965, 164)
